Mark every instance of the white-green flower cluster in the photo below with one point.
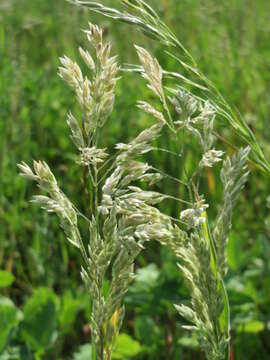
(92, 156)
(198, 118)
(203, 264)
(211, 157)
(95, 95)
(201, 250)
(152, 72)
(194, 217)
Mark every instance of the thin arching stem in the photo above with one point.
(169, 176)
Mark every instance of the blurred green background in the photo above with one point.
(43, 306)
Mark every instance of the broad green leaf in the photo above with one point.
(6, 278)
(10, 317)
(126, 348)
(40, 323)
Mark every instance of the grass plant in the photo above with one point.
(44, 306)
(123, 215)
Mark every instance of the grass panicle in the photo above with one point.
(140, 14)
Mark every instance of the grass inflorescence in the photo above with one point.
(123, 215)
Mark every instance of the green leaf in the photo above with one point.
(141, 293)
(189, 341)
(69, 309)
(235, 252)
(253, 327)
(84, 353)
(10, 317)
(40, 319)
(146, 331)
(6, 278)
(146, 278)
(126, 348)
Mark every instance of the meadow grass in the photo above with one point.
(232, 50)
(125, 216)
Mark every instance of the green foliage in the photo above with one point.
(70, 307)
(126, 348)
(10, 317)
(39, 326)
(146, 280)
(148, 333)
(252, 327)
(6, 279)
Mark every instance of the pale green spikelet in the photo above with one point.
(234, 176)
(95, 95)
(206, 298)
(56, 202)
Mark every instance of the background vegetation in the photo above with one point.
(43, 305)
